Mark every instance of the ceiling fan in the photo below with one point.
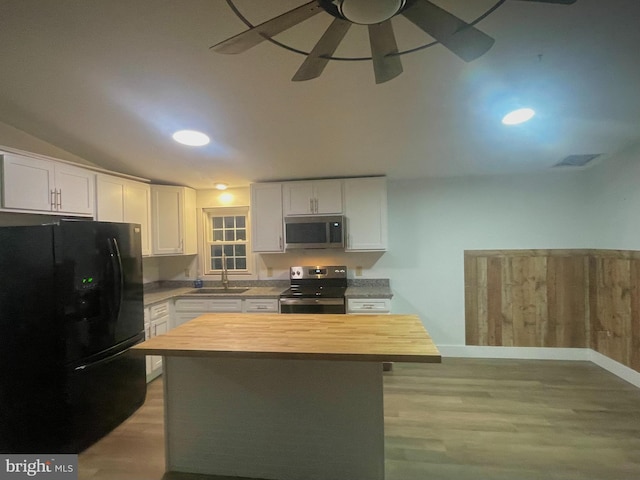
(460, 37)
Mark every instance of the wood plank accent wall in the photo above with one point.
(555, 298)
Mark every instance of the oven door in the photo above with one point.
(312, 305)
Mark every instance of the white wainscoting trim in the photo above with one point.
(543, 353)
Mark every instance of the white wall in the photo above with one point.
(432, 222)
(614, 191)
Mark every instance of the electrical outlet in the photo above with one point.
(187, 273)
(358, 271)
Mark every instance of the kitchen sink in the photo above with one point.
(228, 291)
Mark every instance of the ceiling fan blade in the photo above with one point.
(252, 37)
(317, 60)
(466, 41)
(559, 2)
(386, 62)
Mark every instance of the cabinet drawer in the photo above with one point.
(368, 305)
(159, 310)
(199, 305)
(225, 305)
(209, 305)
(257, 305)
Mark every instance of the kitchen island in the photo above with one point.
(286, 397)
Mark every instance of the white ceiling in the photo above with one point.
(110, 80)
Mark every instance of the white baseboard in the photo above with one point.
(530, 353)
(618, 369)
(534, 353)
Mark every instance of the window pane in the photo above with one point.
(228, 222)
(241, 263)
(217, 222)
(240, 222)
(228, 250)
(241, 250)
(229, 235)
(216, 251)
(216, 264)
(229, 262)
(241, 234)
(217, 236)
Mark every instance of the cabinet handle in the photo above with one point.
(60, 199)
(280, 242)
(311, 205)
(316, 201)
(53, 199)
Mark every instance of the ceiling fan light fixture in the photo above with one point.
(369, 12)
(518, 116)
(191, 138)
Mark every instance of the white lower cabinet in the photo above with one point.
(156, 323)
(380, 306)
(369, 305)
(187, 308)
(261, 305)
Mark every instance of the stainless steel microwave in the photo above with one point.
(314, 232)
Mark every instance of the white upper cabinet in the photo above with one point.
(123, 200)
(137, 209)
(109, 198)
(173, 220)
(41, 185)
(317, 197)
(365, 201)
(266, 217)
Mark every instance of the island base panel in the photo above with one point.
(274, 419)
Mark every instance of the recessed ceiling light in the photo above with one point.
(191, 138)
(221, 186)
(520, 115)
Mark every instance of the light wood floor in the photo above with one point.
(463, 419)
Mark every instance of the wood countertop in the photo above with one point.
(374, 338)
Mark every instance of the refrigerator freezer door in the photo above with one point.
(103, 393)
(99, 268)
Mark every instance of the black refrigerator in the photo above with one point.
(71, 306)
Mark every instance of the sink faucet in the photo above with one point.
(224, 276)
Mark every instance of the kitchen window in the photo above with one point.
(227, 240)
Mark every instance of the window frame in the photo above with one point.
(209, 242)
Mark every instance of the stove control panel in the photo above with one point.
(318, 272)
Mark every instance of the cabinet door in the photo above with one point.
(75, 189)
(166, 208)
(328, 197)
(366, 212)
(298, 198)
(189, 223)
(27, 183)
(109, 198)
(266, 217)
(137, 209)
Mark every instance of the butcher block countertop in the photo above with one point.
(374, 338)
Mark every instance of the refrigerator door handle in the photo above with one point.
(116, 261)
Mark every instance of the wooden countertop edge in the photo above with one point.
(344, 357)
